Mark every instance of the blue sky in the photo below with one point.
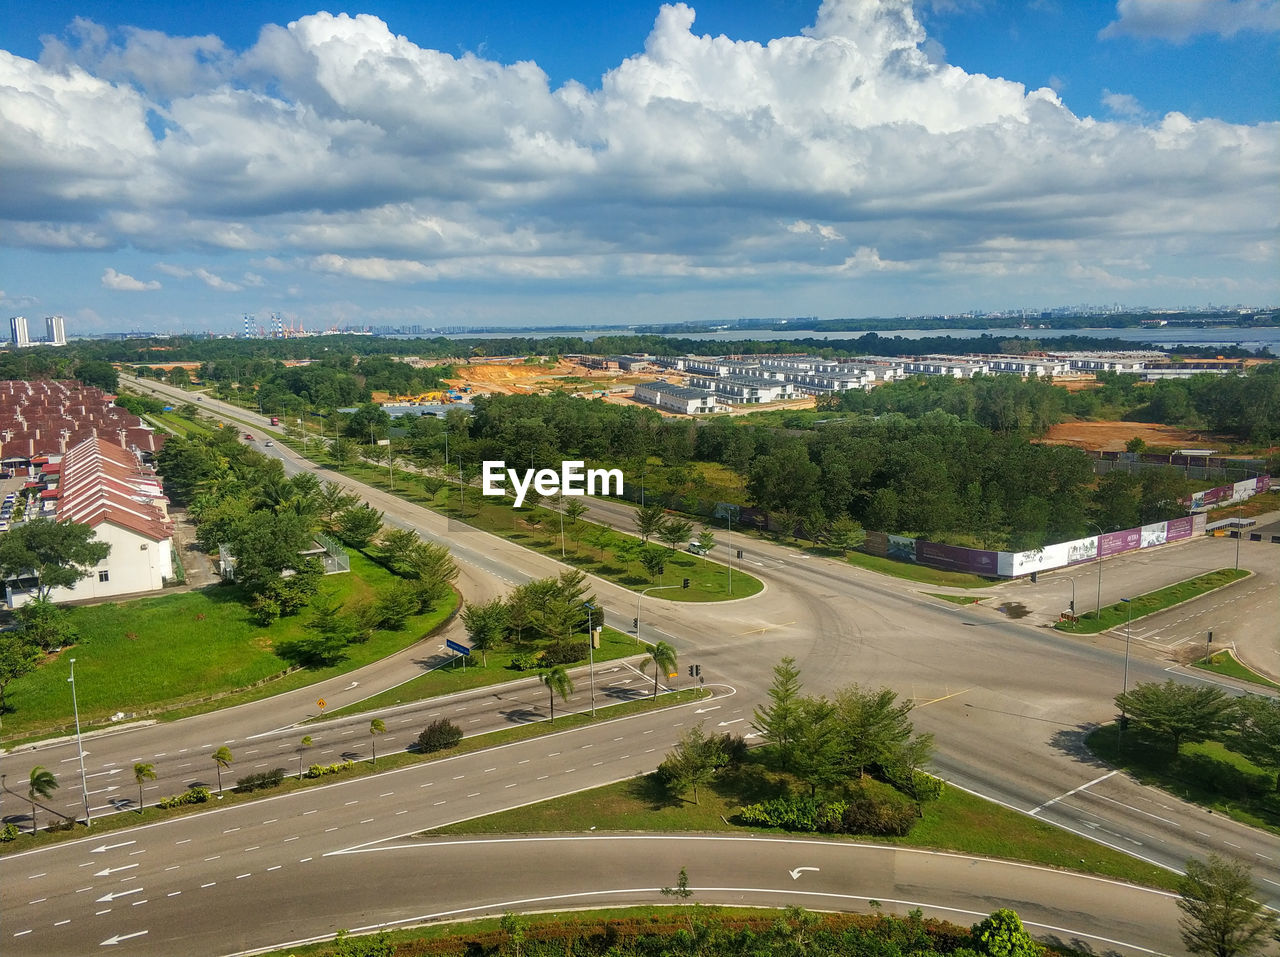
(176, 166)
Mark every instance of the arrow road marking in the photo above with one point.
(705, 710)
(116, 938)
(723, 724)
(795, 874)
(111, 847)
(111, 870)
(98, 774)
(114, 894)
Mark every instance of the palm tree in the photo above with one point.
(376, 727)
(222, 758)
(303, 747)
(143, 772)
(559, 683)
(663, 656)
(42, 784)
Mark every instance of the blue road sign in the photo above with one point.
(460, 649)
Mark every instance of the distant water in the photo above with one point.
(1164, 336)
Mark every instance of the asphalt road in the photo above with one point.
(1008, 702)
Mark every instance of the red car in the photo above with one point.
(248, 437)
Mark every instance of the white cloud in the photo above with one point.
(1179, 20)
(123, 282)
(334, 146)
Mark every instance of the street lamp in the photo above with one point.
(641, 595)
(591, 655)
(84, 781)
(1097, 611)
(1124, 687)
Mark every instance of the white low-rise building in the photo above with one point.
(678, 398)
(744, 390)
(104, 486)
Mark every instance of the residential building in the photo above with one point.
(18, 332)
(55, 331)
(678, 398)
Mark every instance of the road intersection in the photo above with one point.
(1008, 700)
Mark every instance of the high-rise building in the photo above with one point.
(55, 330)
(18, 331)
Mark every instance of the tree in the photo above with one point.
(779, 723)
(41, 784)
(1182, 712)
(663, 657)
(486, 624)
(376, 727)
(398, 544)
(142, 772)
(18, 657)
(654, 561)
(1258, 724)
(559, 683)
(845, 534)
(222, 759)
(818, 753)
(303, 747)
(674, 531)
(333, 499)
(706, 540)
(693, 762)
(574, 509)
(1221, 914)
(98, 372)
(875, 726)
(368, 423)
(359, 525)
(342, 451)
(59, 554)
(1002, 935)
(46, 625)
(648, 519)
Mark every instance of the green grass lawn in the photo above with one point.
(959, 821)
(586, 545)
(1208, 773)
(1112, 616)
(159, 656)
(453, 677)
(957, 599)
(1225, 663)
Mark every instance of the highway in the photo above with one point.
(1008, 701)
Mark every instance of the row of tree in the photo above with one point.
(1182, 713)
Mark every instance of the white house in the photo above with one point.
(106, 487)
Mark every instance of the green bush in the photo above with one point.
(260, 781)
(527, 662)
(795, 814)
(9, 833)
(438, 735)
(879, 814)
(320, 770)
(565, 653)
(196, 795)
(916, 784)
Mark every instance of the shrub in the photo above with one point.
(196, 795)
(264, 610)
(438, 735)
(916, 784)
(565, 653)
(260, 781)
(320, 770)
(796, 814)
(879, 814)
(9, 833)
(527, 662)
(734, 747)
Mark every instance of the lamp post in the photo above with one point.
(728, 543)
(591, 655)
(1238, 536)
(84, 781)
(1124, 687)
(641, 595)
(1097, 611)
(1073, 597)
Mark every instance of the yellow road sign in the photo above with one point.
(320, 703)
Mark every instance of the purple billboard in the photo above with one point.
(1180, 528)
(954, 558)
(1113, 543)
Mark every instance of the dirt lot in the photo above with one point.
(1112, 436)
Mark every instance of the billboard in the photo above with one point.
(977, 561)
(1082, 550)
(1037, 560)
(1113, 543)
(1180, 528)
(900, 548)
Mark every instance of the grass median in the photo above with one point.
(1226, 664)
(958, 821)
(122, 820)
(1122, 612)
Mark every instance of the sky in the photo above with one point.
(174, 166)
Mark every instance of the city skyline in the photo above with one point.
(175, 168)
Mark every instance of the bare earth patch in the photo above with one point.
(1112, 436)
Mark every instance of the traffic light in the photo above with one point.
(686, 583)
(691, 671)
(635, 624)
(697, 671)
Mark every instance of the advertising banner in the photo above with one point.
(1041, 559)
(1082, 550)
(1113, 543)
(1180, 528)
(901, 548)
(954, 558)
(1156, 534)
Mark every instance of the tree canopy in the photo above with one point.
(59, 554)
